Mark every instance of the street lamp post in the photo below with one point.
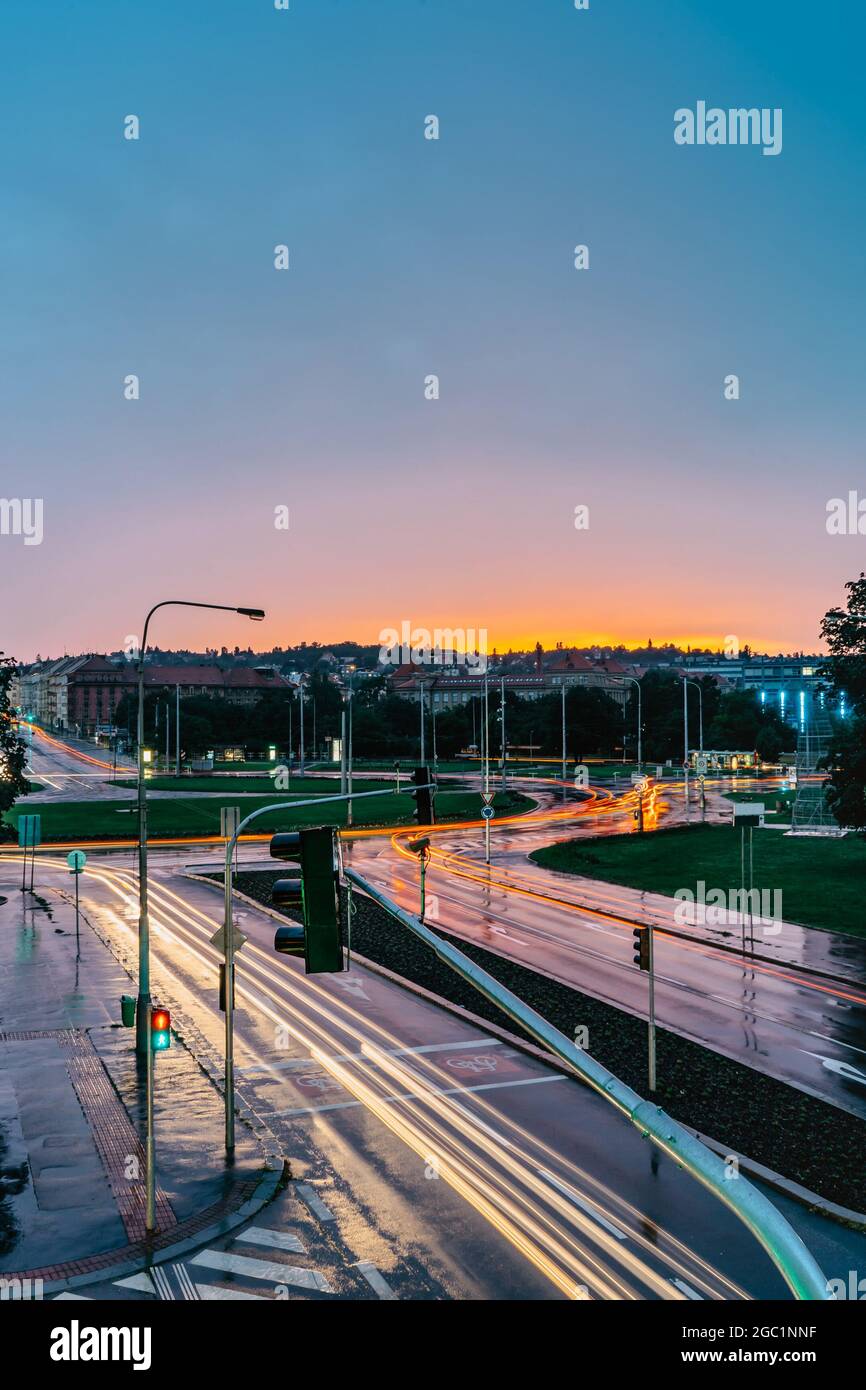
(686, 684)
(142, 1038)
(636, 682)
(563, 741)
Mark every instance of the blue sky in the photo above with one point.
(411, 257)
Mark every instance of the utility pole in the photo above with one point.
(343, 752)
(486, 773)
(177, 729)
(349, 776)
(300, 697)
(504, 745)
(686, 741)
(563, 741)
(421, 693)
(652, 1011)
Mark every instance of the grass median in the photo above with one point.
(821, 880)
(180, 817)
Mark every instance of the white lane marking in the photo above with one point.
(314, 1202)
(163, 1285)
(79, 1297)
(590, 1210)
(263, 1235)
(298, 1063)
(688, 1290)
(142, 1283)
(376, 1281)
(216, 1293)
(263, 1269)
(840, 1068)
(187, 1287)
(411, 1095)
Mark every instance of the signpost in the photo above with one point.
(29, 836)
(487, 812)
(747, 813)
(76, 860)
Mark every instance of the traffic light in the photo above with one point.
(641, 947)
(160, 1030)
(315, 891)
(424, 812)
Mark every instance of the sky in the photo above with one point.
(304, 388)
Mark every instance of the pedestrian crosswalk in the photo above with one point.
(254, 1268)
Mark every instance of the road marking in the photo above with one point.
(79, 1297)
(840, 1068)
(216, 1293)
(688, 1290)
(268, 1270)
(590, 1210)
(412, 1095)
(297, 1063)
(187, 1287)
(263, 1235)
(163, 1284)
(314, 1202)
(142, 1283)
(376, 1281)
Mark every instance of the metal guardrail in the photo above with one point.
(797, 1266)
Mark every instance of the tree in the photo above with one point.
(13, 752)
(844, 631)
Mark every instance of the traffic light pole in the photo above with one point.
(784, 1246)
(228, 933)
(150, 1155)
(651, 1052)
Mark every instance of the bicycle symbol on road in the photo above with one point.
(481, 1063)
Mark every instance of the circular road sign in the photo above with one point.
(487, 812)
(76, 860)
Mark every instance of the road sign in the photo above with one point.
(487, 797)
(76, 860)
(219, 938)
(701, 763)
(487, 812)
(29, 831)
(641, 785)
(230, 818)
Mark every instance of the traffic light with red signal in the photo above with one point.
(160, 1030)
(315, 890)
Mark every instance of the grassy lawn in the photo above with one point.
(230, 786)
(770, 799)
(821, 881)
(179, 816)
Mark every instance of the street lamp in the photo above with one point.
(142, 1039)
(686, 681)
(636, 682)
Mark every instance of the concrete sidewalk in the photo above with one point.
(72, 1169)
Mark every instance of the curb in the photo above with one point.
(276, 1173)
